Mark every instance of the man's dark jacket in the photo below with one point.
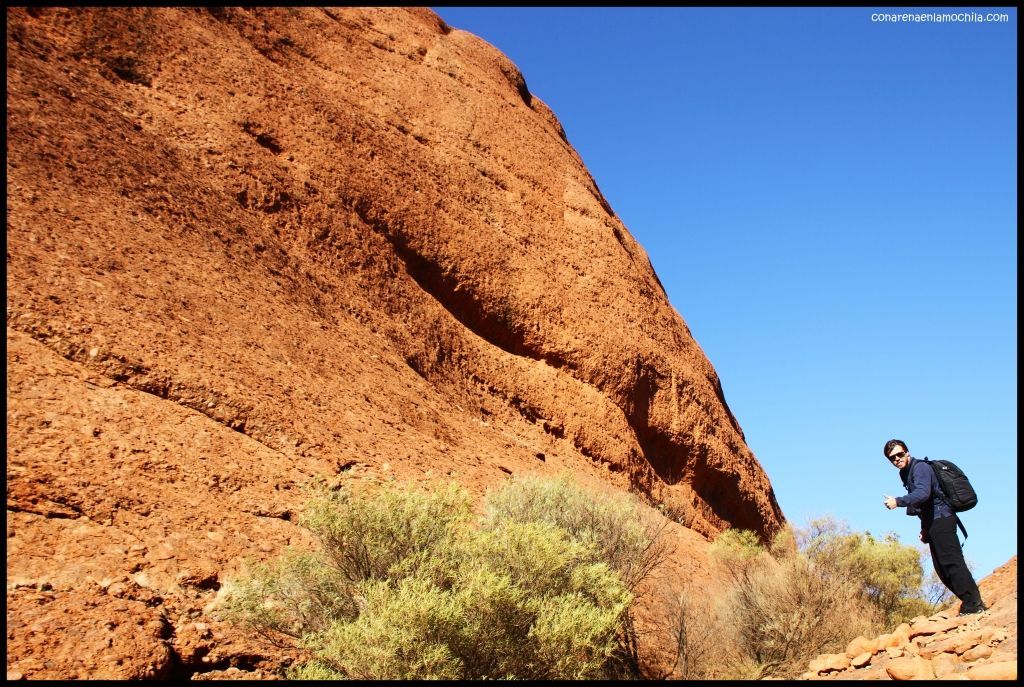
(924, 495)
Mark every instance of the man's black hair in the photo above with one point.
(889, 445)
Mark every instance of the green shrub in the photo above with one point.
(400, 634)
(298, 594)
(889, 573)
(737, 550)
(405, 587)
(387, 534)
(629, 543)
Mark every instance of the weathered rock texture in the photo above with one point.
(944, 646)
(246, 248)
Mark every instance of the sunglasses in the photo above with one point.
(896, 456)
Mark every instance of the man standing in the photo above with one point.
(938, 524)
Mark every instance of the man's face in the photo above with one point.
(898, 456)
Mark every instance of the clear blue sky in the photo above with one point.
(831, 205)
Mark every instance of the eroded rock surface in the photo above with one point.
(250, 248)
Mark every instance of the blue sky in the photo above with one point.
(831, 205)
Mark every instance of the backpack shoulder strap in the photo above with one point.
(962, 529)
(942, 494)
(910, 473)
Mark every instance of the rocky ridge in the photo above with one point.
(944, 646)
(248, 249)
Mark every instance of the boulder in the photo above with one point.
(1000, 670)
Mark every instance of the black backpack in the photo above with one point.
(956, 487)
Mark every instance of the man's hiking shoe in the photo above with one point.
(975, 611)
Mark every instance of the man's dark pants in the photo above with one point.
(948, 559)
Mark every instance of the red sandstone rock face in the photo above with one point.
(249, 248)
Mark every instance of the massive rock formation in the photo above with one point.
(247, 248)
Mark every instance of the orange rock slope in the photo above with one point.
(247, 248)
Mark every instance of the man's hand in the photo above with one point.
(889, 502)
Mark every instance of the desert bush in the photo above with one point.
(701, 645)
(628, 542)
(404, 586)
(737, 551)
(782, 609)
(810, 591)
(890, 574)
(390, 533)
(389, 536)
(296, 595)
